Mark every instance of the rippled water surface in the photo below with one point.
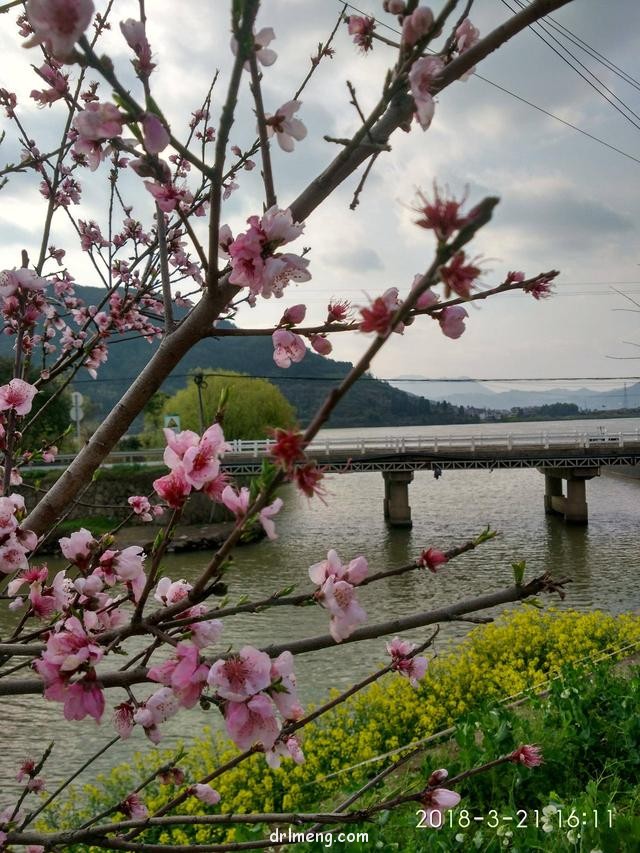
(601, 559)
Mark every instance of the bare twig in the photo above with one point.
(267, 172)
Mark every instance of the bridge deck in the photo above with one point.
(414, 453)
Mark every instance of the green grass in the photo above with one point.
(97, 525)
(584, 798)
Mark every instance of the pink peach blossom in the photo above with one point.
(379, 315)
(168, 591)
(136, 38)
(206, 794)
(207, 632)
(17, 395)
(421, 79)
(84, 698)
(416, 25)
(362, 31)
(279, 270)
(436, 802)
(540, 288)
(23, 278)
(158, 708)
(201, 463)
(427, 299)
(156, 135)
(441, 214)
(126, 565)
(339, 598)
(78, 547)
(529, 755)
(141, 506)
(288, 348)
(413, 668)
(184, 673)
(89, 587)
(466, 36)
(332, 567)
(432, 559)
(173, 488)
(253, 721)
(320, 344)
(338, 311)
(134, 807)
(241, 675)
(266, 518)
(451, 321)
(236, 502)
(58, 24)
(27, 538)
(285, 126)
(251, 254)
(290, 748)
(264, 54)
(71, 647)
(12, 556)
(279, 227)
(293, 315)
(98, 121)
(123, 719)
(8, 520)
(177, 445)
(286, 701)
(459, 276)
(49, 454)
(168, 196)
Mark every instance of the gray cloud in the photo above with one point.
(359, 260)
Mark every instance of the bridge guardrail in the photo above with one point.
(403, 444)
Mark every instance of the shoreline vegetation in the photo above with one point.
(556, 662)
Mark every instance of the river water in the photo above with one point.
(601, 559)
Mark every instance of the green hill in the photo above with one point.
(371, 402)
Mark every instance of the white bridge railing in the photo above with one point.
(435, 444)
(597, 440)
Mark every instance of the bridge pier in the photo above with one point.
(573, 507)
(553, 496)
(397, 510)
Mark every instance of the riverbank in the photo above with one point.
(187, 537)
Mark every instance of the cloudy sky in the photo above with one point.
(568, 202)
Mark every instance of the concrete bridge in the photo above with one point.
(572, 457)
(562, 457)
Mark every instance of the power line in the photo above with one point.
(520, 98)
(583, 45)
(540, 25)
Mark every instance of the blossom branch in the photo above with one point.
(244, 37)
(291, 818)
(393, 626)
(304, 599)
(323, 50)
(164, 271)
(420, 620)
(267, 173)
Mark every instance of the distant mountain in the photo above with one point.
(371, 402)
(479, 395)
